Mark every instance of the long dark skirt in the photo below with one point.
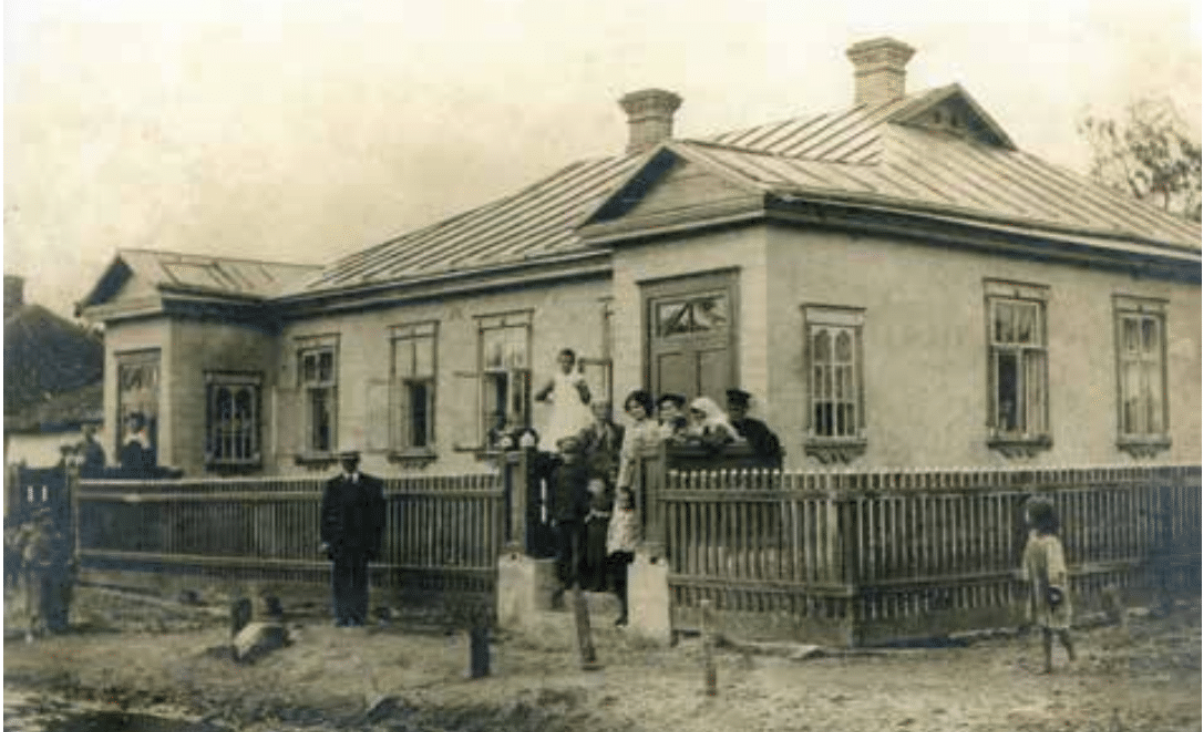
(594, 574)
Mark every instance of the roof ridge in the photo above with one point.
(213, 257)
(770, 154)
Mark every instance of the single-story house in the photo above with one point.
(896, 283)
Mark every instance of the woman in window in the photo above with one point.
(570, 399)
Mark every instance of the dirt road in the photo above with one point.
(1145, 677)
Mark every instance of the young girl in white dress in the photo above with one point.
(570, 399)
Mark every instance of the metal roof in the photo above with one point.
(202, 274)
(873, 154)
(940, 173)
(538, 221)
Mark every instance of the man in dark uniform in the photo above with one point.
(763, 442)
(353, 523)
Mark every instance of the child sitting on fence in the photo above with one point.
(1044, 571)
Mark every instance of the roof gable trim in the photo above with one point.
(980, 124)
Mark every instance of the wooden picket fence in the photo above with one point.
(861, 557)
(442, 535)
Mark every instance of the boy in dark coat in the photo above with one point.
(353, 524)
(570, 505)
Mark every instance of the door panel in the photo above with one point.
(690, 335)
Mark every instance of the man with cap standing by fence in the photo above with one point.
(353, 523)
(761, 440)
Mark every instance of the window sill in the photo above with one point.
(1144, 447)
(242, 467)
(417, 458)
(830, 451)
(1020, 446)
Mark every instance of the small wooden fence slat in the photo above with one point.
(870, 555)
(441, 534)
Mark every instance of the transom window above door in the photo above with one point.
(701, 313)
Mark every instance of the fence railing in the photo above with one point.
(442, 533)
(859, 556)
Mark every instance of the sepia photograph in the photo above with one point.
(552, 366)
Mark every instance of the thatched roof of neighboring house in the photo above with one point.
(62, 412)
(53, 368)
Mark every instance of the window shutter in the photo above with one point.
(379, 415)
(287, 424)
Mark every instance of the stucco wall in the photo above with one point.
(568, 315)
(200, 347)
(742, 250)
(138, 335)
(926, 358)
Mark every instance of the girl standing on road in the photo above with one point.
(1044, 570)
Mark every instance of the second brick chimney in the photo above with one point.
(879, 70)
(649, 117)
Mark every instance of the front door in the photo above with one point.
(691, 335)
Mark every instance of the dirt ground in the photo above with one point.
(137, 656)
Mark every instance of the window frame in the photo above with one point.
(317, 345)
(401, 415)
(215, 381)
(1124, 307)
(521, 320)
(1028, 440)
(834, 318)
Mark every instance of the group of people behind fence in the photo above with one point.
(590, 465)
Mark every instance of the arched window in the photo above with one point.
(232, 420)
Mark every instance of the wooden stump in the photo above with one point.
(478, 651)
(585, 644)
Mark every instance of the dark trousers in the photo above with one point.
(617, 564)
(594, 574)
(349, 588)
(570, 548)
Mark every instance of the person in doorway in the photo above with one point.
(1043, 569)
(761, 440)
(570, 398)
(352, 527)
(673, 421)
(137, 452)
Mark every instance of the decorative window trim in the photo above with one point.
(1016, 444)
(1147, 444)
(250, 380)
(832, 449)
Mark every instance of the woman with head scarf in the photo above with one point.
(709, 424)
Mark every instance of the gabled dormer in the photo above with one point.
(951, 110)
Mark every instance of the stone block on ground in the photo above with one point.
(257, 640)
(648, 598)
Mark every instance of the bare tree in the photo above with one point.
(1149, 154)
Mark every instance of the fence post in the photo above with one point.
(516, 467)
(653, 473)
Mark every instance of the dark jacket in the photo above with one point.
(602, 443)
(353, 515)
(761, 440)
(570, 491)
(137, 459)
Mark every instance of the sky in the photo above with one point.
(305, 130)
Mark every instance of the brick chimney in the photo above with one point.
(14, 294)
(649, 117)
(879, 70)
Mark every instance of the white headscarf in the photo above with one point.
(714, 421)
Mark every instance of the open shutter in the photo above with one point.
(288, 424)
(380, 416)
(470, 383)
